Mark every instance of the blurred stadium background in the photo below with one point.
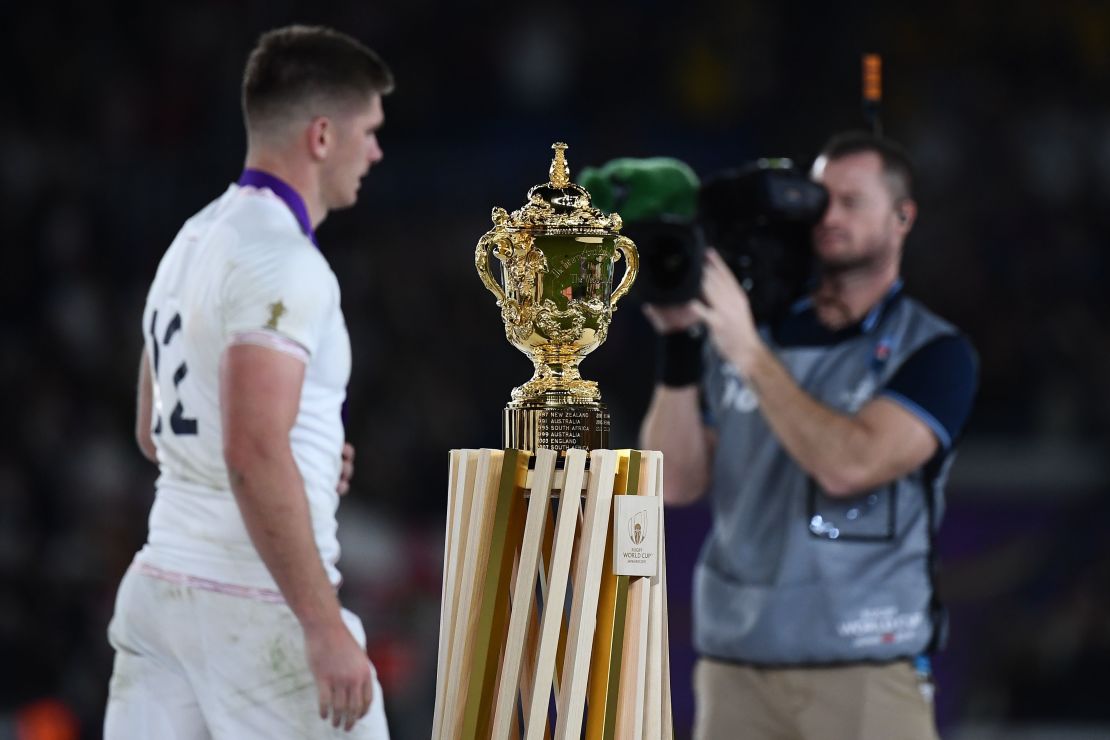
(121, 119)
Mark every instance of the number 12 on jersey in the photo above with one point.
(179, 423)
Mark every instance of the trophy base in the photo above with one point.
(534, 425)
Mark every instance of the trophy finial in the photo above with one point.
(560, 171)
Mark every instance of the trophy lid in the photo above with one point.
(559, 206)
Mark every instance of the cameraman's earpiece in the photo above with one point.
(903, 211)
(906, 213)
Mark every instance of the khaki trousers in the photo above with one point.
(859, 702)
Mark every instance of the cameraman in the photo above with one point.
(823, 442)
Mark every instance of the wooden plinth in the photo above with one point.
(538, 638)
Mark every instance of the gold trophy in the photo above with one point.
(556, 297)
(554, 588)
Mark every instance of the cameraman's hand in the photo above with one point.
(727, 314)
(671, 319)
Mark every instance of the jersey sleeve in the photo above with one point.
(937, 384)
(289, 292)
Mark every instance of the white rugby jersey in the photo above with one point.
(242, 265)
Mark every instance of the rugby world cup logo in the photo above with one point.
(636, 526)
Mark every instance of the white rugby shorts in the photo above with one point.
(197, 659)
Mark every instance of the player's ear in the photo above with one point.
(320, 134)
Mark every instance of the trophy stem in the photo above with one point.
(557, 376)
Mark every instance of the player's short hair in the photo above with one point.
(898, 169)
(296, 68)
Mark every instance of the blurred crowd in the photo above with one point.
(122, 121)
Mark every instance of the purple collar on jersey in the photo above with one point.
(282, 189)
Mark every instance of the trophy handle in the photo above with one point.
(481, 263)
(625, 246)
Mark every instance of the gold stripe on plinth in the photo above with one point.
(605, 668)
(495, 593)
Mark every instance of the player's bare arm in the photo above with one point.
(144, 403)
(259, 399)
(845, 454)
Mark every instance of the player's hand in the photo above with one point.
(343, 676)
(347, 470)
(671, 319)
(727, 314)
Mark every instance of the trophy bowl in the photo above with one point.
(556, 297)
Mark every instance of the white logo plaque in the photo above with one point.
(635, 535)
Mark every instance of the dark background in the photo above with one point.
(120, 120)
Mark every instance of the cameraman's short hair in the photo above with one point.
(297, 68)
(897, 166)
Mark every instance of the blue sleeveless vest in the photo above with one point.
(789, 575)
